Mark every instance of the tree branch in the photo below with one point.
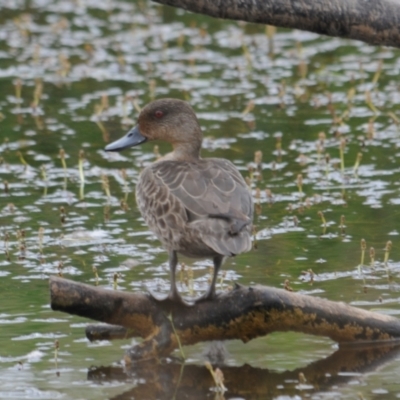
(376, 22)
(242, 313)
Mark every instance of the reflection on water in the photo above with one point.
(324, 112)
(154, 380)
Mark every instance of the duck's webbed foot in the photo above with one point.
(210, 295)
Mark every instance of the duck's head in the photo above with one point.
(170, 120)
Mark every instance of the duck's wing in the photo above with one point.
(216, 199)
(210, 188)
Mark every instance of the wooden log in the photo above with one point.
(242, 313)
(376, 22)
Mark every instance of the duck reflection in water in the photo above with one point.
(200, 208)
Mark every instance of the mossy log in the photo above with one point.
(376, 22)
(242, 313)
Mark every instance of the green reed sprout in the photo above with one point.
(44, 177)
(372, 256)
(377, 72)
(251, 174)
(6, 239)
(6, 188)
(323, 220)
(18, 89)
(80, 166)
(65, 65)
(393, 116)
(257, 196)
(40, 237)
(342, 147)
(21, 239)
(350, 95)
(37, 93)
(181, 40)
(281, 94)
(81, 174)
(136, 105)
(342, 225)
(115, 281)
(303, 69)
(299, 183)
(278, 145)
(60, 268)
(249, 108)
(36, 54)
(369, 102)
(22, 159)
(363, 248)
(270, 31)
(388, 247)
(320, 148)
(106, 185)
(258, 158)
(96, 275)
(302, 378)
(371, 129)
(126, 191)
(286, 286)
(56, 348)
(62, 215)
(327, 163)
(357, 164)
(152, 88)
(62, 158)
(268, 194)
(321, 139)
(178, 340)
(124, 205)
(247, 55)
(106, 212)
(217, 376)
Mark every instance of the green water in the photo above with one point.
(89, 65)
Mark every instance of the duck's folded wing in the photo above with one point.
(212, 188)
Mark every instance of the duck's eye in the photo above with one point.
(159, 114)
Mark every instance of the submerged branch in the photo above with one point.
(376, 22)
(242, 313)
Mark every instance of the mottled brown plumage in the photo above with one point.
(196, 207)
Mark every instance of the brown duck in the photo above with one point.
(196, 207)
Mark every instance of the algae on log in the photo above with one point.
(242, 313)
(376, 22)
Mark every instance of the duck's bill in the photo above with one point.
(132, 138)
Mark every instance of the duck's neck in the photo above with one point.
(186, 151)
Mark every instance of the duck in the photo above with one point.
(197, 207)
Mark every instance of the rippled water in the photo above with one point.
(72, 76)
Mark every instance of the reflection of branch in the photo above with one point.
(243, 313)
(159, 380)
(374, 22)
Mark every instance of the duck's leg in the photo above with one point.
(210, 294)
(173, 294)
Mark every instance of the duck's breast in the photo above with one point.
(164, 213)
